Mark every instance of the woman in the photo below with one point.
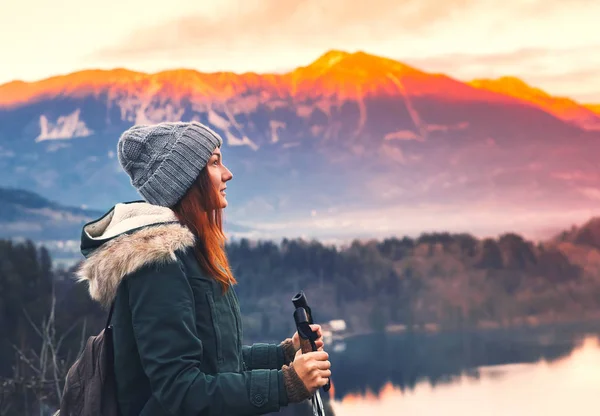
(177, 324)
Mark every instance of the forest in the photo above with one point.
(448, 282)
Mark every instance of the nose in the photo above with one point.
(227, 175)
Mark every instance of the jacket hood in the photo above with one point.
(126, 238)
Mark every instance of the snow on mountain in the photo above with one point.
(226, 125)
(275, 127)
(65, 127)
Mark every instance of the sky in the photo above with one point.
(551, 44)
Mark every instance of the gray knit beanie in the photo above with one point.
(164, 160)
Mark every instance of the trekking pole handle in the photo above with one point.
(299, 301)
(305, 334)
(303, 321)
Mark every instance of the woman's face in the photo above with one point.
(219, 175)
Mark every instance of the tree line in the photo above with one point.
(451, 281)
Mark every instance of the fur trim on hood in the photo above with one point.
(128, 237)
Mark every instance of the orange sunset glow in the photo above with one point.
(521, 389)
(548, 45)
(339, 74)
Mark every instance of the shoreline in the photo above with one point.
(398, 329)
(592, 320)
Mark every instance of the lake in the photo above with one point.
(532, 371)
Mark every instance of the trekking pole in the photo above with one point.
(304, 318)
(307, 344)
(299, 301)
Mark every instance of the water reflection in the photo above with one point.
(528, 372)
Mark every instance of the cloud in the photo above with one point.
(519, 39)
(577, 176)
(454, 61)
(522, 60)
(259, 24)
(537, 8)
(572, 72)
(590, 192)
(482, 220)
(583, 85)
(589, 97)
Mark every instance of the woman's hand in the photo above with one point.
(319, 342)
(313, 368)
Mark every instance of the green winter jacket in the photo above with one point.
(177, 338)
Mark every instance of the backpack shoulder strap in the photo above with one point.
(110, 313)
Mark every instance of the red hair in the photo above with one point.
(199, 211)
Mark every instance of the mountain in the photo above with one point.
(24, 214)
(593, 107)
(351, 144)
(564, 108)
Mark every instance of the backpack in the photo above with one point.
(90, 387)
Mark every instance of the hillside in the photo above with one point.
(588, 234)
(26, 215)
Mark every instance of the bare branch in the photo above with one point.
(24, 358)
(51, 333)
(34, 326)
(67, 332)
(47, 370)
(34, 354)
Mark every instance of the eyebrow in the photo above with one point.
(218, 155)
